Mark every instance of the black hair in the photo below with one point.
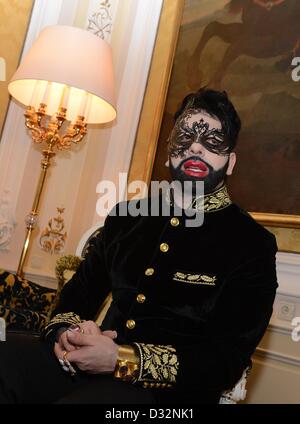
(216, 104)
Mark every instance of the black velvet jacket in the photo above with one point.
(194, 301)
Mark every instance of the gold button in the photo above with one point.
(141, 298)
(174, 222)
(130, 324)
(164, 247)
(149, 271)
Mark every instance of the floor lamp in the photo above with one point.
(67, 75)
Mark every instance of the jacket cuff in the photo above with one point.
(158, 365)
(60, 320)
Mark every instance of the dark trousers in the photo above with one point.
(31, 373)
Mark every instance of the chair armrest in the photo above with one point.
(238, 392)
(67, 262)
(103, 309)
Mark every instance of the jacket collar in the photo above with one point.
(211, 202)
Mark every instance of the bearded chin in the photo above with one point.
(211, 181)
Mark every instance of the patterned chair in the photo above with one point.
(23, 304)
(238, 392)
(27, 306)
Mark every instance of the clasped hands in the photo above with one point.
(90, 349)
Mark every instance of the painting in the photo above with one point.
(14, 20)
(239, 46)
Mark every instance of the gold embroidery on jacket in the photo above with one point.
(213, 201)
(202, 279)
(210, 202)
(65, 318)
(158, 365)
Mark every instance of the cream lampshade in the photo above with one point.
(73, 57)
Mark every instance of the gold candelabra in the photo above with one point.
(48, 131)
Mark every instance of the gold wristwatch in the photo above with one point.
(127, 366)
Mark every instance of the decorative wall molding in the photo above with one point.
(276, 360)
(288, 273)
(281, 329)
(42, 279)
(278, 356)
(288, 262)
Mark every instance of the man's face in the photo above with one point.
(198, 150)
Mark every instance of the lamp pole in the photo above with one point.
(32, 217)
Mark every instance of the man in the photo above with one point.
(190, 304)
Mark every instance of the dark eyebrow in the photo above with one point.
(188, 130)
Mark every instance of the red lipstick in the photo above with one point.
(195, 168)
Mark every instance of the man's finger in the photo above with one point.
(75, 357)
(78, 339)
(110, 333)
(58, 351)
(64, 343)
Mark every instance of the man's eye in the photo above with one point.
(214, 141)
(187, 136)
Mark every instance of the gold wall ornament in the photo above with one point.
(53, 237)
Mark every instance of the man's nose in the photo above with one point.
(196, 149)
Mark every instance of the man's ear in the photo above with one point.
(232, 161)
(167, 164)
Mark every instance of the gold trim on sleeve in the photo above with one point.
(158, 365)
(67, 318)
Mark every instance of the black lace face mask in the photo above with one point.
(184, 134)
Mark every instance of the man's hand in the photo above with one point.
(94, 353)
(86, 327)
(88, 338)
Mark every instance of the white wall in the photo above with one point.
(275, 377)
